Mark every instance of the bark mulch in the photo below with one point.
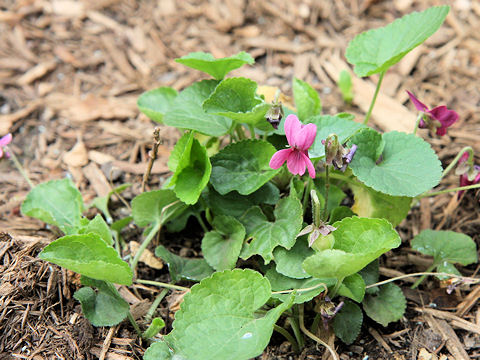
(70, 74)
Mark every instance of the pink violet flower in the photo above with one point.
(300, 137)
(470, 176)
(4, 141)
(438, 118)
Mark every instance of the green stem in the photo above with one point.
(455, 160)
(19, 166)
(240, 132)
(153, 307)
(312, 336)
(201, 222)
(144, 245)
(296, 327)
(306, 194)
(455, 276)
(134, 324)
(334, 292)
(370, 109)
(287, 336)
(468, 187)
(421, 278)
(327, 189)
(252, 131)
(316, 322)
(162, 284)
(419, 117)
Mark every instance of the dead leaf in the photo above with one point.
(147, 256)
(77, 156)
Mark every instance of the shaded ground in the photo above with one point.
(70, 73)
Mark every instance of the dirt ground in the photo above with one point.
(70, 74)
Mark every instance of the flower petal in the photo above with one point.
(464, 157)
(418, 104)
(7, 139)
(1, 152)
(305, 137)
(292, 127)
(295, 163)
(310, 167)
(279, 158)
(445, 116)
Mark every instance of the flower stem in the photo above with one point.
(287, 336)
(162, 284)
(144, 245)
(421, 278)
(419, 117)
(306, 194)
(469, 279)
(19, 166)
(327, 189)
(457, 158)
(296, 328)
(312, 336)
(251, 128)
(240, 132)
(370, 109)
(468, 187)
(153, 307)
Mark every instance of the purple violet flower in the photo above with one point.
(439, 118)
(300, 137)
(4, 141)
(469, 175)
(337, 155)
(328, 310)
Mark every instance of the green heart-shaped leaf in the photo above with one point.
(155, 103)
(184, 268)
(218, 68)
(387, 305)
(98, 226)
(217, 318)
(263, 236)
(88, 255)
(191, 166)
(306, 99)
(327, 125)
(234, 204)
(156, 206)
(242, 166)
(446, 246)
(374, 204)
(398, 171)
(104, 307)
(186, 111)
(358, 241)
(56, 202)
(353, 287)
(348, 322)
(281, 282)
(376, 50)
(289, 262)
(222, 246)
(236, 99)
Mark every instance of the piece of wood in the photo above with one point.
(454, 346)
(456, 321)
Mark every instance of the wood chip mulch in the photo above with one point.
(70, 74)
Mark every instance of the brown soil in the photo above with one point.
(70, 73)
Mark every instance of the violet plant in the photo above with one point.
(274, 236)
